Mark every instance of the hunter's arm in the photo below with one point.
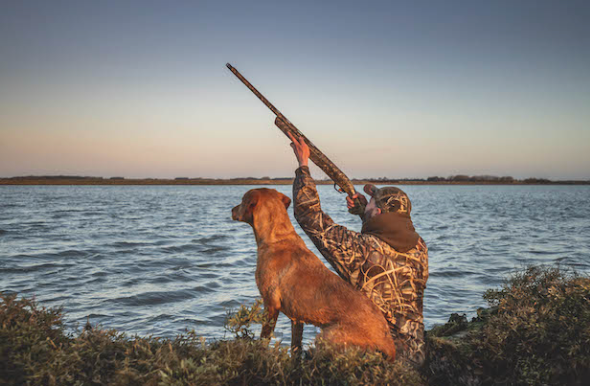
(342, 248)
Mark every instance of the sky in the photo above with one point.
(384, 89)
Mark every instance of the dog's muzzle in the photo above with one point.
(234, 213)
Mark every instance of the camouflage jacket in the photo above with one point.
(394, 281)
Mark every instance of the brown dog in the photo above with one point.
(291, 279)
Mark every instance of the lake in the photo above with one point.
(161, 259)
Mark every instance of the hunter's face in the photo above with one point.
(371, 209)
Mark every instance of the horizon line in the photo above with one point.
(451, 178)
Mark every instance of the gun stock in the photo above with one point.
(316, 156)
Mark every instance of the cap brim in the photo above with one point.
(370, 189)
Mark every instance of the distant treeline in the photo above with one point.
(485, 178)
(463, 178)
(58, 177)
(66, 177)
(266, 180)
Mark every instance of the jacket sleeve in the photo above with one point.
(345, 250)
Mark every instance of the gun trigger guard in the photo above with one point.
(338, 189)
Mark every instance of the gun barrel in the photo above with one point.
(253, 89)
(316, 155)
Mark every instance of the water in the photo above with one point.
(160, 259)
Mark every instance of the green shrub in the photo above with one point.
(35, 350)
(537, 332)
(541, 334)
(239, 322)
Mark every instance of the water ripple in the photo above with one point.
(157, 260)
(153, 298)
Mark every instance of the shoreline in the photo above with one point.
(250, 181)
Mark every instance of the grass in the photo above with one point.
(536, 332)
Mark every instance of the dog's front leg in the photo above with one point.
(296, 337)
(269, 325)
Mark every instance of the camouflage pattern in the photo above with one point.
(390, 199)
(321, 160)
(394, 281)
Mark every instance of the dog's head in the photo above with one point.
(255, 199)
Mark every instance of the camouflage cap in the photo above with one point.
(389, 199)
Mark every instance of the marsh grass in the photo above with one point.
(536, 332)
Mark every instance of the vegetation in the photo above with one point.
(459, 179)
(537, 332)
(36, 350)
(465, 178)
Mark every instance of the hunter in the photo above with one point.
(387, 260)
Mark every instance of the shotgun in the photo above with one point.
(316, 155)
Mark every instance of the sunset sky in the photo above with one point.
(395, 89)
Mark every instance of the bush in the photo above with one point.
(542, 332)
(35, 350)
(28, 335)
(537, 332)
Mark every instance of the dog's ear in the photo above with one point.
(286, 200)
(249, 210)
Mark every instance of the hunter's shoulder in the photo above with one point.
(419, 251)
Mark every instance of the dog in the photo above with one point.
(292, 280)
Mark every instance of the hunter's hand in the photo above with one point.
(300, 149)
(350, 201)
